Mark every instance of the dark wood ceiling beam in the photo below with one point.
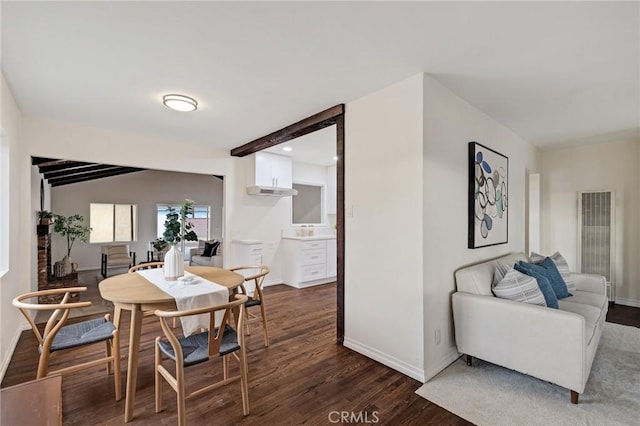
(35, 161)
(91, 176)
(310, 124)
(61, 165)
(77, 171)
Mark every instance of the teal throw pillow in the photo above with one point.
(543, 282)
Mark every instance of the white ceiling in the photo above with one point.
(552, 72)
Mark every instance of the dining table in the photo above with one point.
(133, 292)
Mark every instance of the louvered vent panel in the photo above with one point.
(596, 230)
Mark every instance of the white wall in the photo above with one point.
(610, 166)
(450, 123)
(146, 189)
(14, 277)
(384, 226)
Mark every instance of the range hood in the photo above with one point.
(271, 191)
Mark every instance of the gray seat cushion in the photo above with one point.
(195, 348)
(82, 333)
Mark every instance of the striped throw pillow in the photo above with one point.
(500, 271)
(519, 287)
(561, 264)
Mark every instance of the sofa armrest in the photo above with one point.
(193, 252)
(544, 342)
(590, 282)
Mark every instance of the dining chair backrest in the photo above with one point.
(220, 341)
(147, 265)
(256, 298)
(58, 336)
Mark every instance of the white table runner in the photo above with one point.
(190, 292)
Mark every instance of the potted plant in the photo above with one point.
(73, 228)
(177, 229)
(45, 217)
(159, 244)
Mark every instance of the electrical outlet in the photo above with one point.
(437, 336)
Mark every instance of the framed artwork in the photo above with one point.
(488, 197)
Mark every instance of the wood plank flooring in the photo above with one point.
(301, 378)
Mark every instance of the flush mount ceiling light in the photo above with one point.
(180, 103)
(287, 148)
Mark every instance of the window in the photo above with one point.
(306, 207)
(113, 222)
(201, 219)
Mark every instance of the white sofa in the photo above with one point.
(197, 259)
(556, 345)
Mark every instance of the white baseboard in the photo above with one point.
(628, 302)
(12, 347)
(386, 359)
(444, 362)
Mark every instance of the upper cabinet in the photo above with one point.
(272, 170)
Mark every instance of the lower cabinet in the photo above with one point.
(308, 262)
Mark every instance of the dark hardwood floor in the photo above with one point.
(301, 378)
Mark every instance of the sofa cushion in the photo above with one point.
(592, 316)
(561, 264)
(587, 298)
(557, 284)
(543, 283)
(519, 287)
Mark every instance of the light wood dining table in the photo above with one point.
(133, 292)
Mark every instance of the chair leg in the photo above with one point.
(109, 354)
(43, 365)
(246, 321)
(117, 374)
(225, 368)
(158, 360)
(244, 381)
(264, 325)
(180, 395)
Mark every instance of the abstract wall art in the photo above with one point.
(488, 197)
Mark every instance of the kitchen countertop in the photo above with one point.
(315, 237)
(247, 241)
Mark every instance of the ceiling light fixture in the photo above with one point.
(287, 148)
(335, 158)
(180, 103)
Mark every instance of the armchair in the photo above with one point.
(116, 255)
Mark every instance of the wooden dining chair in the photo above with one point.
(223, 342)
(57, 336)
(257, 298)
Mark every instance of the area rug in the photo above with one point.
(486, 394)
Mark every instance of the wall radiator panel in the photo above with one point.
(596, 223)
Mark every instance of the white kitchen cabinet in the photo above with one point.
(247, 253)
(271, 170)
(306, 261)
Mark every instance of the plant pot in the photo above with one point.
(173, 264)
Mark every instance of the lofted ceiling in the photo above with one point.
(552, 72)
